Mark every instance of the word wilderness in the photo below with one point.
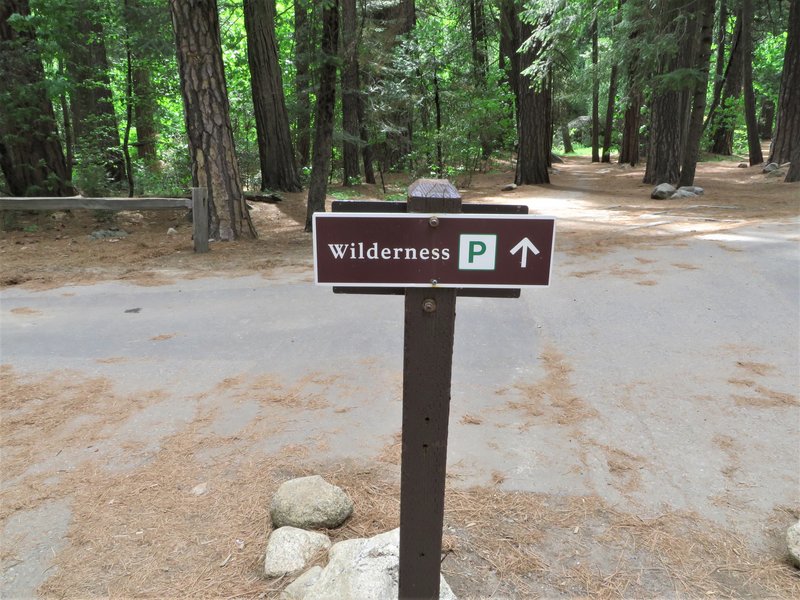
(376, 252)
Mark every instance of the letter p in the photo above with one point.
(476, 252)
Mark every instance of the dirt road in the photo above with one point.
(630, 431)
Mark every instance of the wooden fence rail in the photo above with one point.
(198, 203)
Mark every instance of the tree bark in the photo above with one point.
(535, 135)
(787, 126)
(722, 137)
(666, 111)
(753, 139)
(326, 101)
(207, 113)
(276, 155)
(568, 149)
(609, 128)
(144, 114)
(31, 156)
(595, 93)
(93, 116)
(302, 82)
(629, 148)
(695, 132)
(350, 93)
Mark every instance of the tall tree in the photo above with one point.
(753, 139)
(326, 101)
(278, 166)
(725, 117)
(534, 93)
(94, 120)
(302, 81)
(595, 90)
(350, 93)
(787, 127)
(695, 130)
(667, 105)
(206, 110)
(31, 156)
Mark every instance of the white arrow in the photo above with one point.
(525, 244)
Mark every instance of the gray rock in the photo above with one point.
(310, 503)
(779, 172)
(662, 191)
(793, 542)
(695, 189)
(298, 589)
(172, 231)
(743, 165)
(509, 187)
(289, 550)
(105, 234)
(682, 193)
(769, 168)
(364, 569)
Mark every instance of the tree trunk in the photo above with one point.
(568, 149)
(478, 39)
(144, 114)
(695, 132)
(767, 119)
(350, 93)
(667, 108)
(302, 82)
(278, 167)
(326, 101)
(93, 116)
(787, 127)
(366, 146)
(722, 138)
(535, 136)
(595, 94)
(609, 129)
(794, 168)
(30, 152)
(753, 139)
(207, 113)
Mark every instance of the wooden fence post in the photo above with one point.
(200, 219)
(430, 315)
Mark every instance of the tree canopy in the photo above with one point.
(97, 95)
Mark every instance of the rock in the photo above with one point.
(779, 172)
(555, 159)
(509, 187)
(310, 503)
(662, 191)
(101, 234)
(743, 165)
(793, 542)
(682, 193)
(770, 168)
(172, 231)
(363, 569)
(298, 589)
(695, 189)
(289, 550)
(200, 489)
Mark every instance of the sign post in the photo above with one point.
(431, 254)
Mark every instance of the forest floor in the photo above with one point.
(98, 497)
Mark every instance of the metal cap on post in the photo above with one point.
(427, 367)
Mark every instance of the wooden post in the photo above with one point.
(427, 366)
(200, 219)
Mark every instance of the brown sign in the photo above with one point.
(426, 250)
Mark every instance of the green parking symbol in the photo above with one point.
(477, 252)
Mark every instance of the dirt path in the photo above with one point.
(629, 438)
